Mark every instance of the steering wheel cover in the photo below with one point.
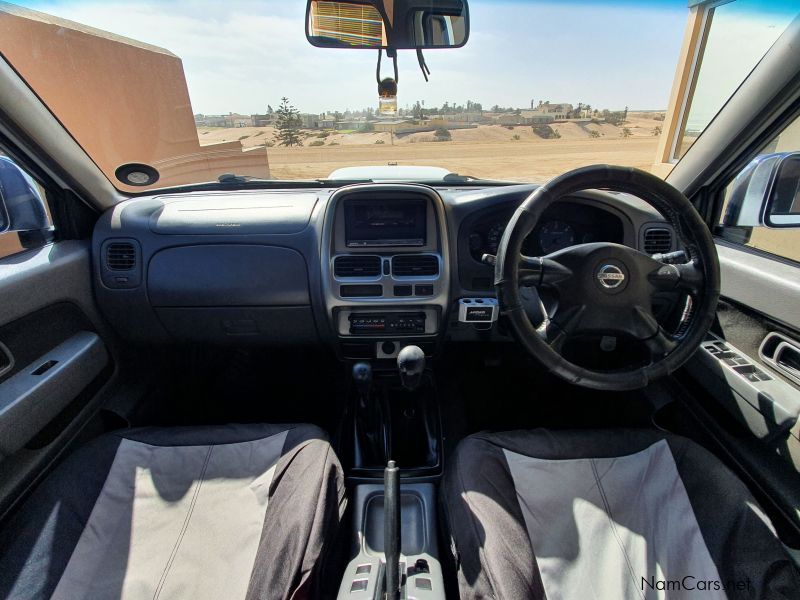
(690, 229)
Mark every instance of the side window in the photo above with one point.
(24, 214)
(761, 208)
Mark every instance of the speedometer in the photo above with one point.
(556, 235)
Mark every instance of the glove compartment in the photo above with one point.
(232, 293)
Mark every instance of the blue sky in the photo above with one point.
(241, 55)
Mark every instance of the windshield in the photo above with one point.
(170, 93)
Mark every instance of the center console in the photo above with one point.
(385, 278)
(385, 268)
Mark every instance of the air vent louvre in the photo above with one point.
(121, 256)
(415, 265)
(657, 240)
(357, 266)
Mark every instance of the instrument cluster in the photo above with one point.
(563, 225)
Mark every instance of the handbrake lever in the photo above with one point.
(391, 529)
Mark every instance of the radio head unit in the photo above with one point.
(383, 223)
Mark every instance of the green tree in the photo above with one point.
(626, 132)
(288, 124)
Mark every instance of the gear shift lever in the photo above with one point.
(411, 363)
(371, 423)
(362, 375)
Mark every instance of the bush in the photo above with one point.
(442, 135)
(333, 144)
(594, 134)
(323, 134)
(657, 130)
(379, 142)
(509, 127)
(317, 143)
(515, 137)
(244, 137)
(366, 128)
(614, 118)
(545, 132)
(269, 144)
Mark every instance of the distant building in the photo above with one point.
(327, 121)
(210, 120)
(558, 111)
(237, 120)
(262, 120)
(534, 117)
(394, 126)
(309, 121)
(350, 124)
(508, 119)
(462, 117)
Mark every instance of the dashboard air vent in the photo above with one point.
(121, 256)
(415, 265)
(357, 266)
(657, 240)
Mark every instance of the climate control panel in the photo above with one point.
(394, 323)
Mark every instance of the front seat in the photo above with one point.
(611, 515)
(233, 512)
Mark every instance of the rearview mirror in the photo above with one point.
(22, 206)
(766, 193)
(388, 24)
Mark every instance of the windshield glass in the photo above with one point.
(195, 90)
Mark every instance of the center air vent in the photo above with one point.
(657, 240)
(121, 256)
(415, 265)
(357, 266)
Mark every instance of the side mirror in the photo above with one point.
(766, 193)
(22, 207)
(388, 24)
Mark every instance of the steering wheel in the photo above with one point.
(607, 289)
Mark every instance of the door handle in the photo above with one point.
(782, 354)
(6, 359)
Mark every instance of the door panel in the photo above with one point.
(35, 395)
(57, 355)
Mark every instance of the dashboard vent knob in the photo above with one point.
(657, 240)
(121, 256)
(357, 266)
(415, 265)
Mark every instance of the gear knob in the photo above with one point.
(362, 375)
(411, 364)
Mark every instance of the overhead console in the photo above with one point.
(385, 268)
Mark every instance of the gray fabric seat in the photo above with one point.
(607, 515)
(241, 511)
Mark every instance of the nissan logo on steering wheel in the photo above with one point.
(610, 276)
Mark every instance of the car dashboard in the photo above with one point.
(364, 268)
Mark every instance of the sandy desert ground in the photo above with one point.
(488, 151)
